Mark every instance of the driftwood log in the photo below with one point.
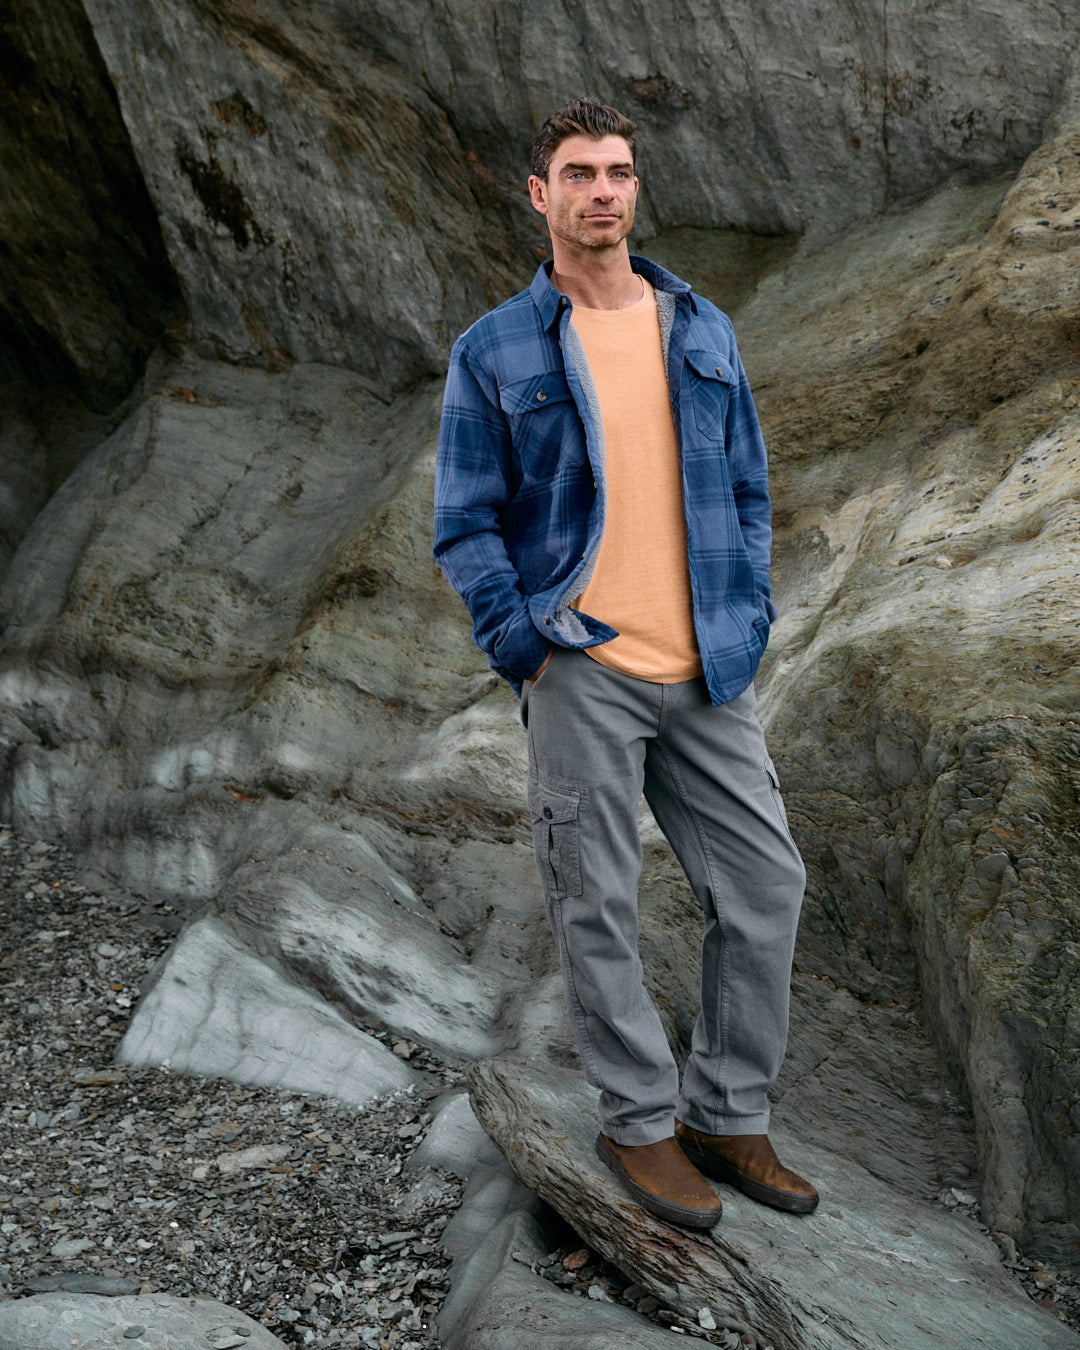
(868, 1269)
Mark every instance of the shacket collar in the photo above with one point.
(551, 302)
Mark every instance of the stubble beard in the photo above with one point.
(576, 231)
(600, 240)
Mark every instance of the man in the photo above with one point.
(602, 509)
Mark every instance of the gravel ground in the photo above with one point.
(294, 1209)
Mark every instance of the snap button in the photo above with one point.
(540, 396)
(720, 370)
(547, 812)
(547, 618)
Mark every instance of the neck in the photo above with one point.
(597, 279)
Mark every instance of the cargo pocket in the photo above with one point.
(554, 814)
(774, 785)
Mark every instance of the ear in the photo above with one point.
(538, 194)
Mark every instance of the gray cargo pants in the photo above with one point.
(597, 740)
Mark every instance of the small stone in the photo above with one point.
(82, 1284)
(577, 1259)
(97, 1077)
(706, 1320)
(68, 1247)
(599, 1293)
(133, 1332)
(403, 1049)
(200, 1173)
(259, 1155)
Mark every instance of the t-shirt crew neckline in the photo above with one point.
(647, 295)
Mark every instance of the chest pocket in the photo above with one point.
(544, 422)
(712, 379)
(536, 393)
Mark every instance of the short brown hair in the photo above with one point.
(580, 117)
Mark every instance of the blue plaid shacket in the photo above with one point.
(520, 485)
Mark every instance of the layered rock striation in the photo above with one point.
(930, 516)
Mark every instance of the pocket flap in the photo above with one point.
(534, 393)
(555, 805)
(711, 366)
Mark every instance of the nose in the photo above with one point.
(602, 187)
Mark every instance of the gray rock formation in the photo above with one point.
(315, 201)
(60, 1320)
(773, 118)
(85, 288)
(927, 560)
(865, 1266)
(219, 1011)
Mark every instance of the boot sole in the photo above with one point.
(667, 1210)
(719, 1170)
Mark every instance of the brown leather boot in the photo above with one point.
(663, 1181)
(749, 1163)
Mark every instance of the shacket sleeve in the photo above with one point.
(473, 485)
(745, 448)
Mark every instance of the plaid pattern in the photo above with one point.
(519, 491)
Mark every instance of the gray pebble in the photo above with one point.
(82, 1284)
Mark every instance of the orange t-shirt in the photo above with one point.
(641, 582)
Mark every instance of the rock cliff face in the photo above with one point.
(315, 201)
(931, 518)
(85, 287)
(232, 673)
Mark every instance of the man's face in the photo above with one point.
(590, 192)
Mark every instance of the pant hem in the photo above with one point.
(636, 1136)
(718, 1124)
